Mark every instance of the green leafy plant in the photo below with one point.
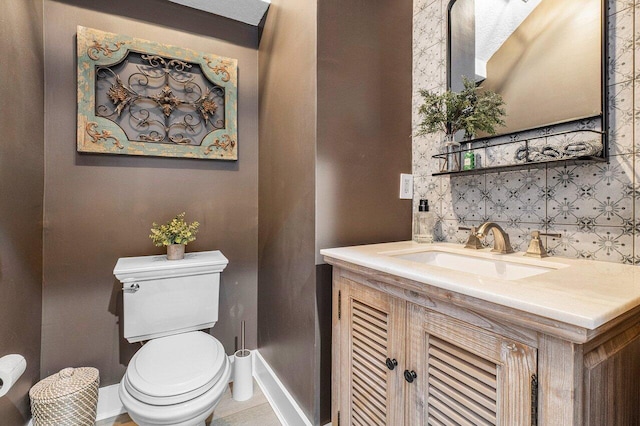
(176, 231)
(471, 110)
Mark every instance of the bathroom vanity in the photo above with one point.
(438, 334)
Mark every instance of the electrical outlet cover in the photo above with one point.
(406, 186)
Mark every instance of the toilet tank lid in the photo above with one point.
(152, 267)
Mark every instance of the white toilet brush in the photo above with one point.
(242, 372)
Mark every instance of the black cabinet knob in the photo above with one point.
(391, 363)
(410, 376)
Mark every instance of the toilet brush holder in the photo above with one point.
(242, 376)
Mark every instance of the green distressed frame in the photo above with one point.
(102, 136)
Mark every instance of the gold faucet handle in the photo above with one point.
(536, 249)
(548, 234)
(473, 242)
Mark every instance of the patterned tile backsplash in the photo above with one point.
(594, 206)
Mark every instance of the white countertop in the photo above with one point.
(583, 293)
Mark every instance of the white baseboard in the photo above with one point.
(109, 404)
(284, 405)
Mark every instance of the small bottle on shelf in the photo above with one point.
(469, 161)
(423, 223)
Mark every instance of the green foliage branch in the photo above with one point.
(471, 110)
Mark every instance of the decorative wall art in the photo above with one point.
(137, 97)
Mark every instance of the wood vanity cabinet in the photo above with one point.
(406, 353)
(370, 356)
(466, 374)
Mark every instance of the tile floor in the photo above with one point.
(255, 411)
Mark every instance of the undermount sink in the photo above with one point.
(492, 268)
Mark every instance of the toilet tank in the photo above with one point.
(163, 297)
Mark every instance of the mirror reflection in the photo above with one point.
(544, 57)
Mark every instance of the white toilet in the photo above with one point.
(178, 376)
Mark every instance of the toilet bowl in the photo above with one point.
(175, 380)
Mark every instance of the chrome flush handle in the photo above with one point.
(134, 287)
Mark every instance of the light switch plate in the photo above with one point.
(406, 186)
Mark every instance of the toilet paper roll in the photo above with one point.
(11, 368)
(242, 376)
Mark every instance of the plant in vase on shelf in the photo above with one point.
(175, 234)
(471, 110)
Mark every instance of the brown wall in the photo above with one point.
(553, 62)
(99, 208)
(286, 291)
(364, 121)
(331, 187)
(21, 188)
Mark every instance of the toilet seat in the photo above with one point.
(189, 413)
(174, 369)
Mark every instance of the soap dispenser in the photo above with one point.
(423, 223)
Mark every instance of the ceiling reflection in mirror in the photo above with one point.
(544, 57)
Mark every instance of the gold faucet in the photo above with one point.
(501, 242)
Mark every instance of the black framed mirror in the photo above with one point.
(546, 58)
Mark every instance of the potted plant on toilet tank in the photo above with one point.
(175, 235)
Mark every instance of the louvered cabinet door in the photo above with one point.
(466, 375)
(371, 331)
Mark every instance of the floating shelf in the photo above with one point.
(527, 149)
(521, 166)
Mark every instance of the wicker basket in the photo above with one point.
(68, 398)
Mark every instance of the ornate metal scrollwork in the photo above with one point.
(219, 69)
(96, 136)
(160, 100)
(96, 47)
(226, 144)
